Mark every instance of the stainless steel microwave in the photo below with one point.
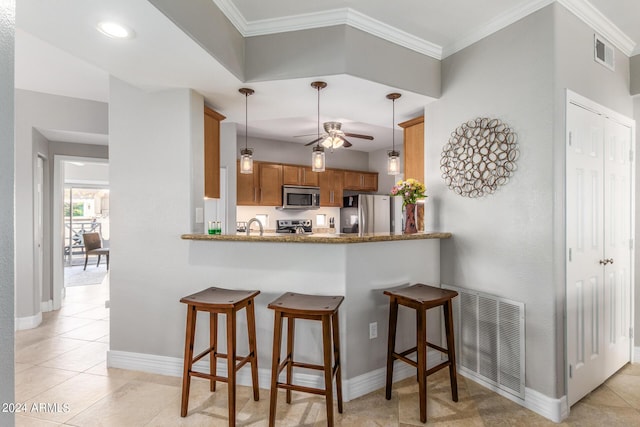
(294, 197)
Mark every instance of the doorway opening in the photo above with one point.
(86, 211)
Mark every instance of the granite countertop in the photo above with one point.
(317, 237)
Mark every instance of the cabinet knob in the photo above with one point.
(606, 261)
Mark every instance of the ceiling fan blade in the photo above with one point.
(346, 144)
(308, 134)
(313, 142)
(357, 135)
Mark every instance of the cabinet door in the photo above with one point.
(212, 153)
(299, 175)
(414, 148)
(247, 187)
(309, 177)
(290, 175)
(370, 181)
(331, 183)
(270, 184)
(352, 180)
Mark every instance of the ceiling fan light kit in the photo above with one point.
(393, 162)
(246, 154)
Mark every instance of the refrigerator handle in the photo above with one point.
(362, 215)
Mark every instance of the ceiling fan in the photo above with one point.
(334, 137)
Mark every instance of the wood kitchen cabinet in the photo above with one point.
(299, 175)
(212, 121)
(360, 181)
(413, 148)
(331, 188)
(261, 188)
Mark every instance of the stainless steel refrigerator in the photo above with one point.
(371, 213)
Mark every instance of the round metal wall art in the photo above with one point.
(479, 157)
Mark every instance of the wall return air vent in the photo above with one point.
(603, 52)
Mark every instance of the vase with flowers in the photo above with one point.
(410, 190)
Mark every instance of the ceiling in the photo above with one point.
(59, 51)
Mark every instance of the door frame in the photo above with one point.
(57, 228)
(574, 98)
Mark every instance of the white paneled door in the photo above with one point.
(599, 247)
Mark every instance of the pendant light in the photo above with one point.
(317, 155)
(393, 162)
(246, 154)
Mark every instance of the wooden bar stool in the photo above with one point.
(311, 307)
(421, 298)
(220, 301)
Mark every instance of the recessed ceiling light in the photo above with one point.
(115, 30)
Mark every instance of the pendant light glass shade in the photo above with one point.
(246, 161)
(393, 162)
(246, 154)
(317, 155)
(317, 159)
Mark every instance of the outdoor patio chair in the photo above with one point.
(93, 246)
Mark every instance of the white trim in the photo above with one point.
(352, 388)
(28, 322)
(582, 9)
(46, 306)
(591, 16)
(553, 409)
(636, 355)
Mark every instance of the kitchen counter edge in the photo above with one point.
(318, 238)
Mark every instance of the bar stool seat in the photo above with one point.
(421, 297)
(220, 301)
(311, 307)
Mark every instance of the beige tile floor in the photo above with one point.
(63, 362)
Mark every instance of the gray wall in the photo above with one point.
(33, 111)
(576, 70)
(511, 243)
(502, 243)
(210, 28)
(7, 337)
(635, 75)
(340, 49)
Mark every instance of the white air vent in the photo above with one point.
(490, 339)
(603, 52)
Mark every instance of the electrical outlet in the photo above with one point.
(373, 330)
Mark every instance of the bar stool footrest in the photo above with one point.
(313, 390)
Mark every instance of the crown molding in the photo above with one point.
(582, 9)
(327, 18)
(591, 16)
(499, 22)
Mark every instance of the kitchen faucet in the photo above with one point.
(251, 221)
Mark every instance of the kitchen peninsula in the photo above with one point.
(359, 267)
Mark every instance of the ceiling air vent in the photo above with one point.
(603, 52)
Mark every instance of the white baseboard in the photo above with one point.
(351, 388)
(46, 306)
(553, 409)
(28, 322)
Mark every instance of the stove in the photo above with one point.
(299, 226)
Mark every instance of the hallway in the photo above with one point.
(62, 364)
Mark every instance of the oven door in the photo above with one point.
(300, 197)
